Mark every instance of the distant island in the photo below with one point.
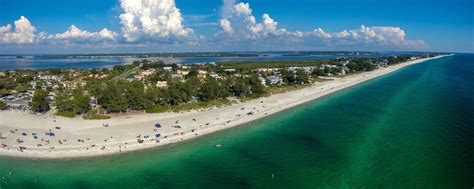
(202, 54)
(150, 103)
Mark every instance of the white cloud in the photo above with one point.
(241, 26)
(242, 9)
(24, 32)
(152, 20)
(377, 35)
(226, 25)
(75, 34)
(246, 24)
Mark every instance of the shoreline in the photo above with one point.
(78, 138)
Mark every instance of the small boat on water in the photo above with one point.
(218, 145)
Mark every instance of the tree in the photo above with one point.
(54, 71)
(94, 86)
(360, 66)
(240, 87)
(135, 94)
(256, 85)
(4, 92)
(301, 77)
(112, 99)
(213, 89)
(80, 101)
(40, 101)
(21, 88)
(63, 103)
(149, 65)
(24, 79)
(192, 86)
(318, 72)
(3, 105)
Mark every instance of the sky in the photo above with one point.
(148, 26)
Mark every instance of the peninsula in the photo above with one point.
(83, 113)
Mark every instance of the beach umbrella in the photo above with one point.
(157, 135)
(157, 125)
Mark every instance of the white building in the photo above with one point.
(161, 84)
(274, 80)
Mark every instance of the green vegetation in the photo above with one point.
(67, 114)
(69, 105)
(190, 106)
(358, 66)
(40, 101)
(274, 64)
(3, 105)
(4, 92)
(95, 114)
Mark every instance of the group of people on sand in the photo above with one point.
(46, 142)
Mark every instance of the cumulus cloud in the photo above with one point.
(74, 34)
(377, 35)
(244, 22)
(240, 25)
(24, 32)
(152, 20)
(225, 24)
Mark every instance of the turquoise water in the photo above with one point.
(410, 129)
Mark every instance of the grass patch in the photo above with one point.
(190, 106)
(284, 88)
(95, 114)
(67, 114)
(158, 109)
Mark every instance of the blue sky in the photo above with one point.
(200, 25)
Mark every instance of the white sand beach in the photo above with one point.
(75, 138)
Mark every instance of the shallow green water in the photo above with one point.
(410, 129)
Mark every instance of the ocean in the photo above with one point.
(413, 128)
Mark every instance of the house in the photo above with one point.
(183, 72)
(229, 70)
(148, 72)
(177, 76)
(49, 77)
(215, 76)
(138, 77)
(305, 69)
(266, 70)
(262, 81)
(202, 74)
(161, 84)
(168, 68)
(74, 84)
(273, 80)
